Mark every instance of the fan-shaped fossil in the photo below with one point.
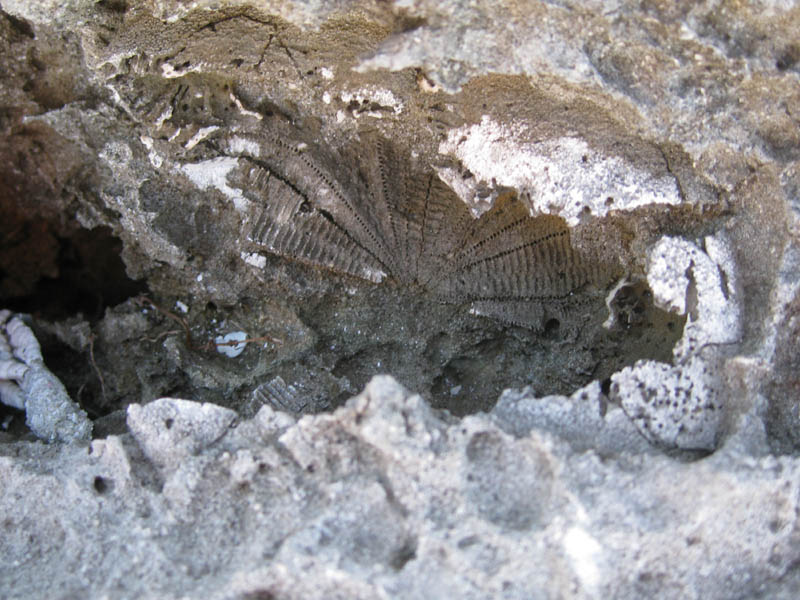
(396, 222)
(373, 213)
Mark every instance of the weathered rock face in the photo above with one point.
(383, 498)
(591, 207)
(249, 149)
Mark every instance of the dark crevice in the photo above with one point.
(12, 422)
(20, 26)
(81, 273)
(66, 278)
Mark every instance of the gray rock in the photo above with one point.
(587, 420)
(382, 497)
(277, 168)
(169, 429)
(508, 483)
(49, 411)
(672, 407)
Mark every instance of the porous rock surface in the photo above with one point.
(646, 450)
(385, 499)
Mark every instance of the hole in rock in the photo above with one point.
(55, 276)
(62, 275)
(102, 485)
(259, 595)
(551, 328)
(119, 6)
(12, 421)
(406, 553)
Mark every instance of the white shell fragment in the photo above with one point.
(224, 345)
(27, 384)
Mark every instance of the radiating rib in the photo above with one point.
(483, 235)
(292, 163)
(444, 217)
(384, 195)
(543, 266)
(290, 226)
(398, 222)
(564, 314)
(509, 254)
(521, 313)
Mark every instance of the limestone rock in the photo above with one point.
(383, 497)
(588, 210)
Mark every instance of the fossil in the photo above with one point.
(395, 221)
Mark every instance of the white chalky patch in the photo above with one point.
(167, 114)
(254, 259)
(673, 407)
(703, 285)
(198, 137)
(155, 158)
(609, 322)
(584, 552)
(241, 145)
(374, 275)
(380, 96)
(169, 72)
(214, 173)
(243, 110)
(562, 176)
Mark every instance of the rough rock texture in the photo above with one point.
(384, 498)
(572, 226)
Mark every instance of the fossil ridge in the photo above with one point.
(401, 223)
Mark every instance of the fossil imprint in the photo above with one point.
(397, 222)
